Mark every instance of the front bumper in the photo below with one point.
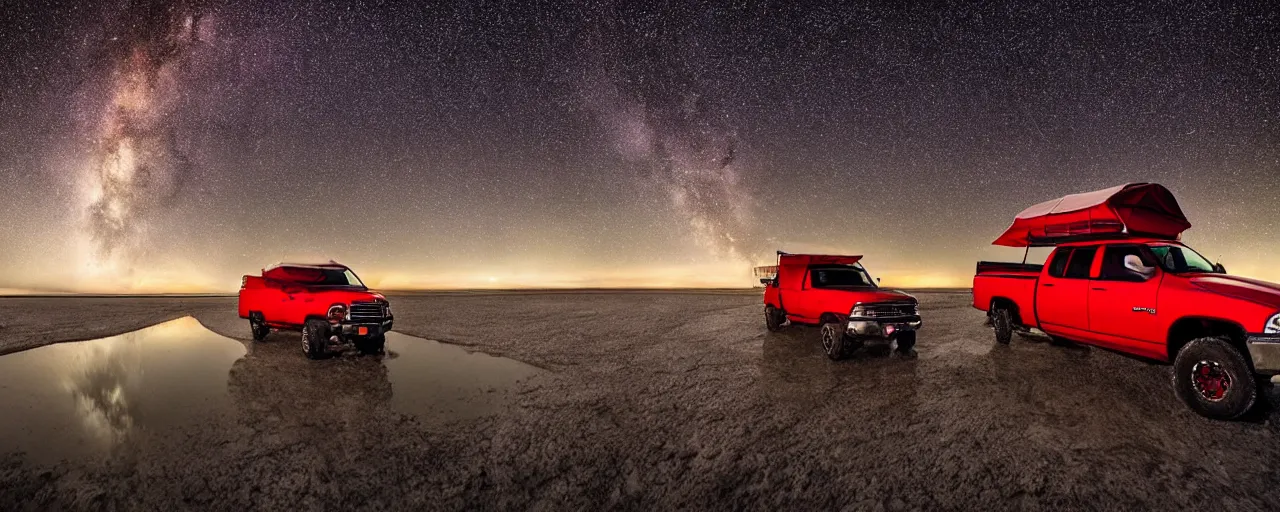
(882, 328)
(1264, 349)
(370, 329)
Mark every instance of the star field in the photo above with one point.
(176, 145)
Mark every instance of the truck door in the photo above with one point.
(1122, 302)
(802, 301)
(1062, 299)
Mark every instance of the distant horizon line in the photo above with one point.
(409, 291)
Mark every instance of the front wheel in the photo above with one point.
(1214, 379)
(834, 342)
(907, 343)
(774, 318)
(315, 338)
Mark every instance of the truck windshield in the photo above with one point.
(1181, 260)
(325, 276)
(841, 277)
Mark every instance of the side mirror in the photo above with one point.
(1134, 264)
(1217, 267)
(877, 280)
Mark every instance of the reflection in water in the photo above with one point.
(438, 382)
(98, 379)
(90, 399)
(85, 398)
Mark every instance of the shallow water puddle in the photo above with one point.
(80, 400)
(436, 381)
(84, 398)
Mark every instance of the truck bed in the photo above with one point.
(1011, 282)
(1000, 267)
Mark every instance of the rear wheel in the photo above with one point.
(258, 327)
(774, 318)
(1214, 379)
(1002, 322)
(834, 342)
(315, 337)
(372, 345)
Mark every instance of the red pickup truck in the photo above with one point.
(837, 293)
(327, 302)
(1120, 279)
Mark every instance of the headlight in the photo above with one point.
(1273, 325)
(337, 313)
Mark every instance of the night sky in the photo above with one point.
(174, 146)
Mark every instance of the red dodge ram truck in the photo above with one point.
(837, 293)
(1120, 279)
(327, 302)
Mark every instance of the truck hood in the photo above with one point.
(878, 295)
(346, 294)
(1252, 290)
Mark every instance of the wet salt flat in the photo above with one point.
(435, 381)
(83, 399)
(89, 399)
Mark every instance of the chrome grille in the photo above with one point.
(885, 310)
(367, 312)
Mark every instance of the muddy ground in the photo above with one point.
(660, 401)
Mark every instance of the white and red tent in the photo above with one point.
(1133, 210)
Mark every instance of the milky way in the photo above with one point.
(139, 160)
(689, 150)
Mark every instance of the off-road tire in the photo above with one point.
(834, 342)
(372, 345)
(315, 337)
(1002, 324)
(907, 343)
(1239, 396)
(259, 328)
(774, 318)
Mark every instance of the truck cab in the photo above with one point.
(837, 293)
(326, 302)
(1150, 296)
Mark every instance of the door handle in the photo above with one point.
(1100, 289)
(1047, 285)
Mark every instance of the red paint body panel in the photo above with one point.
(285, 297)
(806, 304)
(1132, 317)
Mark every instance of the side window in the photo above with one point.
(1081, 262)
(1113, 268)
(1059, 264)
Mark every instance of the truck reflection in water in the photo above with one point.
(176, 383)
(83, 399)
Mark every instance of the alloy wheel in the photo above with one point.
(1211, 380)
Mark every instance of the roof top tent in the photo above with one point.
(791, 267)
(299, 272)
(1133, 210)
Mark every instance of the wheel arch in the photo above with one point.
(1189, 328)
